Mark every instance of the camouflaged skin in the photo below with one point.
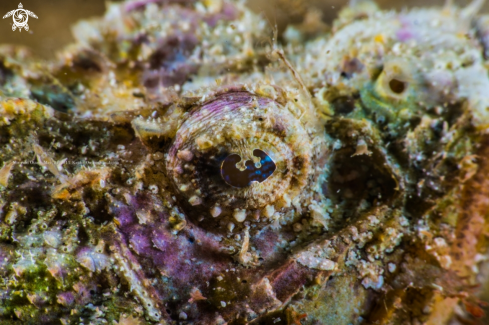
(360, 196)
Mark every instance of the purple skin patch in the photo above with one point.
(404, 34)
(175, 263)
(231, 100)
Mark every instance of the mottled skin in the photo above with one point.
(113, 208)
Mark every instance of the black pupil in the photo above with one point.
(237, 178)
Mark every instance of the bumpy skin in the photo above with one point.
(166, 170)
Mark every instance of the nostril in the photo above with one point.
(397, 86)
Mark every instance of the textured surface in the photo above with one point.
(175, 165)
(53, 30)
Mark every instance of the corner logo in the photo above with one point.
(20, 17)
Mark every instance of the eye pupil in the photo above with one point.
(254, 172)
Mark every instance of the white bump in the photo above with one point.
(269, 211)
(195, 200)
(182, 315)
(216, 211)
(239, 215)
(392, 267)
(186, 155)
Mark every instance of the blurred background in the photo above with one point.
(51, 31)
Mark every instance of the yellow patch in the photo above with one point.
(379, 38)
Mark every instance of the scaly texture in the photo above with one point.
(173, 166)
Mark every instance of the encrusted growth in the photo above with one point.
(167, 170)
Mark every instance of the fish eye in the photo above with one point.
(225, 159)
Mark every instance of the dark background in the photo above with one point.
(51, 31)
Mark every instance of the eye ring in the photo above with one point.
(223, 159)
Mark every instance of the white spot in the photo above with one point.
(308, 259)
(52, 238)
(392, 267)
(440, 242)
(269, 211)
(239, 215)
(186, 155)
(216, 211)
(195, 200)
(374, 284)
(143, 216)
